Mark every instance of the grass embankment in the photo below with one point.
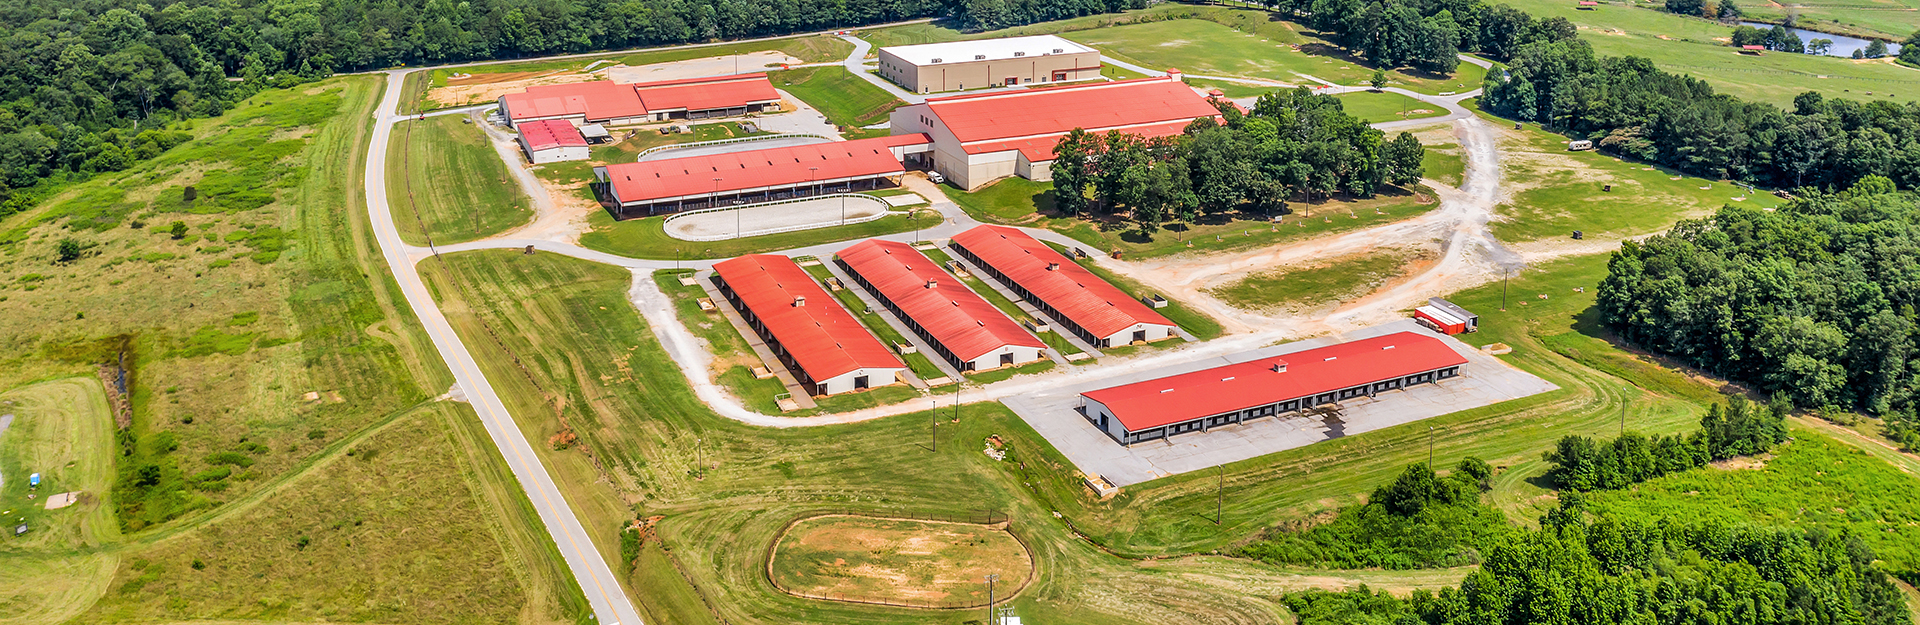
(448, 185)
(1698, 47)
(1021, 202)
(1193, 321)
(1333, 281)
(647, 237)
(814, 49)
(1558, 192)
(724, 497)
(263, 341)
(846, 100)
(1386, 106)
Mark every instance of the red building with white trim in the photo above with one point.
(1194, 402)
(608, 102)
(1081, 302)
(827, 350)
(966, 330)
(668, 185)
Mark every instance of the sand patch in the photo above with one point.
(898, 561)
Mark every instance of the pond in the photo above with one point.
(1842, 44)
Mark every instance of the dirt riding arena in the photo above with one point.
(899, 562)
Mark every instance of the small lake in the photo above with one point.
(1842, 44)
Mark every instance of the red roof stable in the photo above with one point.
(958, 318)
(1025, 119)
(758, 169)
(1070, 289)
(551, 133)
(1179, 398)
(700, 94)
(597, 100)
(823, 337)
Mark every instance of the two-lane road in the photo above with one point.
(610, 603)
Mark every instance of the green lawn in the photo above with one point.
(1021, 202)
(447, 183)
(1690, 48)
(995, 375)
(1560, 191)
(844, 98)
(1200, 46)
(1882, 19)
(1445, 162)
(1233, 89)
(1383, 106)
(1335, 281)
(646, 238)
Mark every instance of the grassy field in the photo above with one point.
(1280, 51)
(1021, 202)
(1813, 481)
(1557, 192)
(1879, 19)
(63, 430)
(844, 98)
(1332, 281)
(1691, 46)
(1445, 162)
(1384, 106)
(647, 238)
(812, 49)
(898, 560)
(449, 183)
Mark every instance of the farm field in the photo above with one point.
(1556, 191)
(449, 183)
(844, 98)
(1689, 46)
(1879, 19)
(264, 343)
(1021, 202)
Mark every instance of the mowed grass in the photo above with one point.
(647, 238)
(1445, 162)
(449, 185)
(1204, 47)
(1016, 201)
(1329, 282)
(1386, 106)
(1878, 19)
(898, 560)
(1690, 47)
(63, 430)
(1560, 191)
(844, 98)
(1814, 481)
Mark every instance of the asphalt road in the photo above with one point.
(610, 602)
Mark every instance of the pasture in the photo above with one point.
(1286, 53)
(449, 185)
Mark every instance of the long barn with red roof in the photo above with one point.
(1194, 402)
(980, 138)
(713, 180)
(827, 350)
(608, 102)
(1082, 303)
(966, 330)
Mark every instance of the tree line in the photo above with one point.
(1581, 464)
(1293, 142)
(1420, 520)
(1426, 35)
(1815, 300)
(1573, 570)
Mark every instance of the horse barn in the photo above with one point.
(608, 102)
(1083, 303)
(983, 137)
(1007, 62)
(1197, 401)
(827, 350)
(764, 175)
(552, 141)
(965, 329)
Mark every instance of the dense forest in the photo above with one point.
(1425, 35)
(1291, 142)
(1815, 301)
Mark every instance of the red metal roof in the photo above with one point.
(758, 169)
(1174, 399)
(547, 134)
(598, 100)
(958, 318)
(1040, 149)
(1003, 116)
(1076, 293)
(823, 337)
(700, 94)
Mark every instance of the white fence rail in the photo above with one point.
(666, 224)
(696, 144)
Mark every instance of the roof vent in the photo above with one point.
(1019, 54)
(936, 59)
(1053, 266)
(1331, 359)
(799, 300)
(1227, 379)
(1057, 50)
(1387, 347)
(933, 284)
(1167, 391)
(979, 57)
(1279, 367)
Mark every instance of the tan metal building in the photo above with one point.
(988, 63)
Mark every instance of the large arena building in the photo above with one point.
(715, 180)
(1081, 302)
(980, 138)
(608, 102)
(1194, 402)
(967, 331)
(825, 348)
(981, 63)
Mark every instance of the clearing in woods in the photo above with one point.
(899, 561)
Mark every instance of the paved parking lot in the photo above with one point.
(1052, 412)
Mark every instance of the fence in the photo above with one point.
(983, 517)
(766, 231)
(681, 146)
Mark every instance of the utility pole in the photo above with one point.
(1503, 290)
(936, 425)
(1429, 448)
(991, 578)
(1220, 502)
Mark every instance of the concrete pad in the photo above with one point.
(756, 220)
(62, 500)
(1487, 380)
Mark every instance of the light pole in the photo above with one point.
(1429, 448)
(715, 203)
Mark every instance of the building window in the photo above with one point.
(979, 57)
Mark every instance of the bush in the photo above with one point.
(1740, 429)
(230, 457)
